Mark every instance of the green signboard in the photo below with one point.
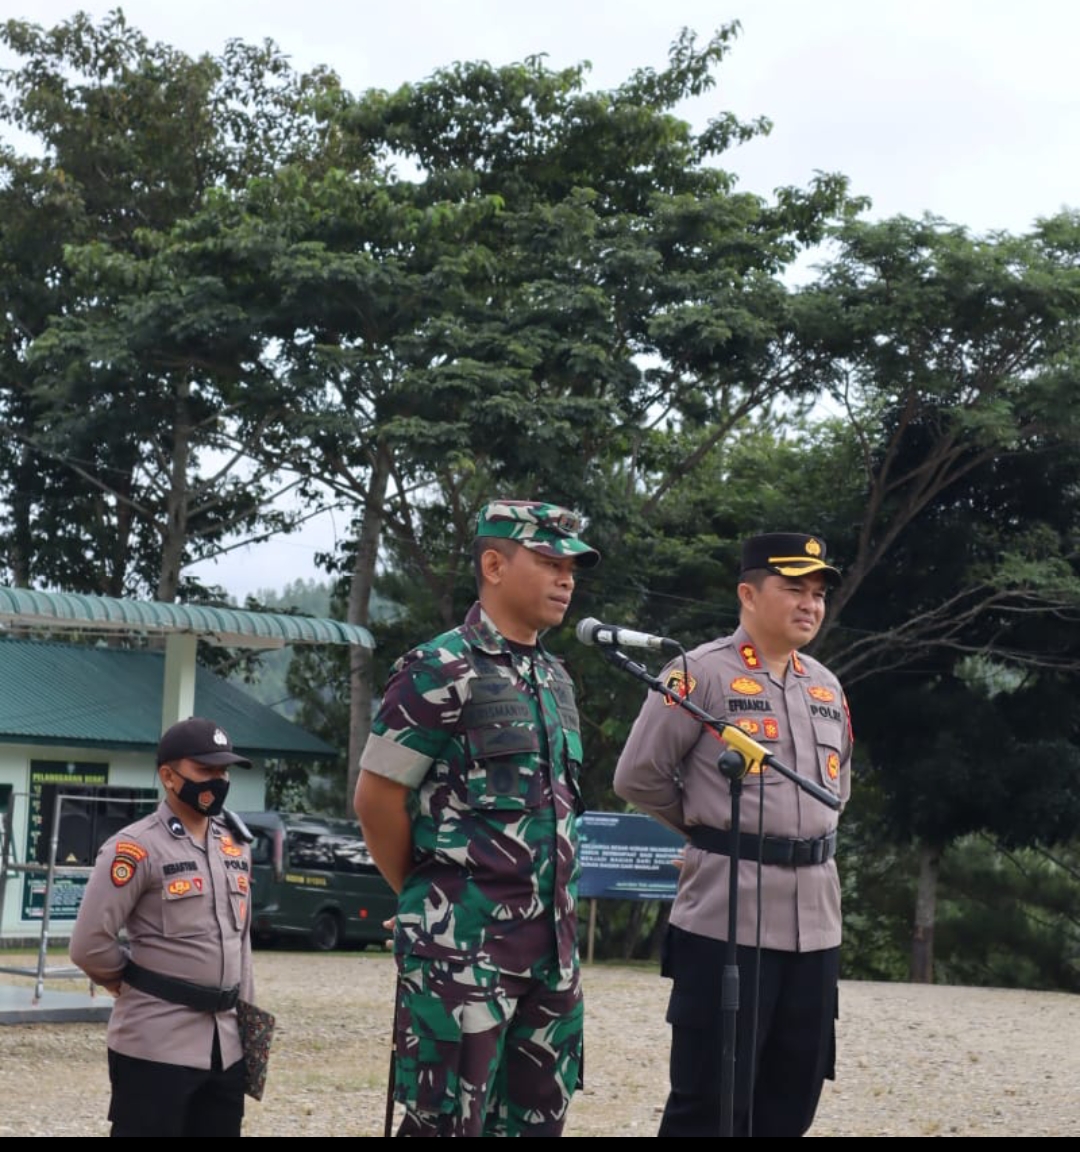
(66, 890)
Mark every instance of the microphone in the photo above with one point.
(590, 631)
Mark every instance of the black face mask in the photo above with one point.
(194, 794)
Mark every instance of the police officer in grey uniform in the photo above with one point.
(179, 883)
(795, 708)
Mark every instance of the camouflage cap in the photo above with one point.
(544, 528)
(788, 554)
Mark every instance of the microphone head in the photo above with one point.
(586, 630)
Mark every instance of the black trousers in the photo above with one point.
(782, 1056)
(153, 1099)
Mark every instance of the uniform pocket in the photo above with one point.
(694, 1041)
(183, 910)
(436, 1001)
(505, 769)
(240, 897)
(829, 766)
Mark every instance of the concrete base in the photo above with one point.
(17, 1005)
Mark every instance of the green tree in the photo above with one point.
(121, 365)
(414, 342)
(953, 359)
(544, 274)
(948, 728)
(945, 353)
(1007, 917)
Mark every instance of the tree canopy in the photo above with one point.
(226, 282)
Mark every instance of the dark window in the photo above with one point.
(326, 852)
(262, 849)
(310, 850)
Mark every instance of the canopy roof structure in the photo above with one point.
(181, 625)
(227, 627)
(93, 696)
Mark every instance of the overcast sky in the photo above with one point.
(965, 109)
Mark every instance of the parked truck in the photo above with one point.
(313, 878)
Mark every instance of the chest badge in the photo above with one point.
(747, 686)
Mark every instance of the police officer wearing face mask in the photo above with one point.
(177, 883)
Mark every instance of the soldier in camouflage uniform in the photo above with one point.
(468, 796)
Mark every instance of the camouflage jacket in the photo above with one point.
(487, 735)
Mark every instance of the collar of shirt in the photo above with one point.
(480, 632)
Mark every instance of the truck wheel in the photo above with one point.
(325, 932)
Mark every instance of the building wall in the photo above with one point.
(23, 771)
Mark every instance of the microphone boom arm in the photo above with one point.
(752, 752)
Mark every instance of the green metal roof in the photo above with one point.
(92, 696)
(235, 627)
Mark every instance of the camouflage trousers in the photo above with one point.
(481, 1053)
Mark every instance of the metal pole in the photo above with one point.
(43, 945)
(388, 1120)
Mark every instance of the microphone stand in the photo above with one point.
(732, 764)
(742, 756)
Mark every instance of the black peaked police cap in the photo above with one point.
(788, 554)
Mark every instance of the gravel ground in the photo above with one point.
(913, 1060)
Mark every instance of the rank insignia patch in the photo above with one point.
(749, 656)
(797, 664)
(677, 683)
(747, 686)
(825, 695)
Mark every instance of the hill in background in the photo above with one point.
(305, 598)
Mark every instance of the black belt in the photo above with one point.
(198, 996)
(767, 849)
